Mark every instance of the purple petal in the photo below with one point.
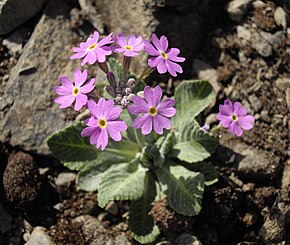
(161, 67)
(157, 94)
(139, 121)
(228, 102)
(65, 102)
(80, 77)
(156, 42)
(164, 43)
(149, 48)
(66, 82)
(159, 123)
(81, 100)
(106, 40)
(237, 106)
(88, 131)
(130, 53)
(62, 90)
(114, 128)
(154, 61)
(226, 109)
(246, 122)
(172, 55)
(148, 94)
(147, 126)
(95, 37)
(136, 109)
(78, 55)
(92, 122)
(166, 104)
(78, 49)
(108, 107)
(93, 108)
(95, 136)
(232, 127)
(238, 131)
(120, 40)
(173, 67)
(103, 139)
(131, 40)
(114, 113)
(225, 121)
(167, 112)
(140, 102)
(241, 112)
(88, 87)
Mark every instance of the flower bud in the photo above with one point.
(110, 89)
(131, 82)
(111, 78)
(122, 83)
(128, 91)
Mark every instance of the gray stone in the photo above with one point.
(14, 43)
(187, 239)
(288, 98)
(243, 33)
(259, 4)
(285, 185)
(265, 116)
(237, 9)
(255, 102)
(206, 72)
(282, 83)
(65, 179)
(273, 229)
(32, 116)
(13, 13)
(263, 42)
(6, 220)
(39, 236)
(280, 17)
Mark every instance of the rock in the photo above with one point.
(161, 17)
(14, 43)
(255, 102)
(39, 236)
(6, 220)
(9, 20)
(65, 179)
(280, 17)
(264, 41)
(211, 118)
(259, 4)
(243, 33)
(21, 183)
(30, 87)
(187, 239)
(206, 72)
(282, 83)
(112, 208)
(285, 185)
(122, 240)
(288, 98)
(89, 10)
(237, 9)
(273, 229)
(265, 116)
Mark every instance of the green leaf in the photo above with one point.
(191, 98)
(76, 152)
(193, 144)
(141, 223)
(183, 188)
(121, 182)
(190, 151)
(208, 170)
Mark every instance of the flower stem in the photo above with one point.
(139, 137)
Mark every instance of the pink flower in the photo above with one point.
(234, 116)
(93, 51)
(164, 58)
(70, 92)
(103, 123)
(155, 114)
(131, 47)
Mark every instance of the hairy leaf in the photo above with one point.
(183, 188)
(121, 182)
(191, 98)
(141, 223)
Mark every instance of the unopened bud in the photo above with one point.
(118, 90)
(111, 78)
(128, 91)
(130, 96)
(110, 89)
(124, 102)
(131, 82)
(122, 83)
(118, 99)
(141, 94)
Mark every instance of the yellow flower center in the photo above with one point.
(75, 91)
(152, 111)
(102, 123)
(234, 118)
(164, 55)
(128, 47)
(92, 46)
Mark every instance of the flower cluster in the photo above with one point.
(148, 111)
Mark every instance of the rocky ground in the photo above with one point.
(242, 47)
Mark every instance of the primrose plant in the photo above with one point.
(137, 145)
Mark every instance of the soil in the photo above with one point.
(234, 209)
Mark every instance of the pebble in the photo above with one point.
(288, 98)
(285, 186)
(14, 43)
(265, 116)
(39, 236)
(280, 17)
(259, 4)
(187, 239)
(237, 9)
(282, 83)
(255, 102)
(243, 33)
(65, 179)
